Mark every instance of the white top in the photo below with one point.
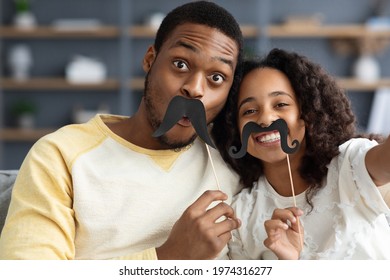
(350, 219)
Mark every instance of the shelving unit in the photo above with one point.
(23, 135)
(47, 32)
(354, 31)
(108, 41)
(138, 31)
(353, 84)
(124, 85)
(121, 34)
(137, 84)
(50, 32)
(56, 84)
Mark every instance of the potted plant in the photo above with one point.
(24, 113)
(24, 18)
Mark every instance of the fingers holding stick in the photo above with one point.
(198, 234)
(284, 233)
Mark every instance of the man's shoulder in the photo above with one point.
(70, 140)
(77, 132)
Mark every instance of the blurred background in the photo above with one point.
(62, 62)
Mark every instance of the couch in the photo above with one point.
(7, 179)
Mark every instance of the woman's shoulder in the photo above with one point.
(353, 150)
(356, 144)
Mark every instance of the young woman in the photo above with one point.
(339, 179)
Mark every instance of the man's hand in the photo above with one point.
(197, 234)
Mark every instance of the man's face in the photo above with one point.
(196, 61)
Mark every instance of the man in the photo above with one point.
(110, 189)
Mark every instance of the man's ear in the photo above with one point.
(149, 57)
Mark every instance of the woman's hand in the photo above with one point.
(285, 233)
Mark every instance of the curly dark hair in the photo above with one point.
(325, 109)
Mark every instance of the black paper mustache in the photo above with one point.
(193, 109)
(252, 127)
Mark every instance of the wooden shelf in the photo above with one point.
(55, 84)
(50, 32)
(137, 83)
(62, 84)
(346, 83)
(354, 84)
(326, 31)
(250, 31)
(140, 31)
(20, 135)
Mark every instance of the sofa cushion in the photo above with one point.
(7, 179)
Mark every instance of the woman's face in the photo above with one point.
(266, 95)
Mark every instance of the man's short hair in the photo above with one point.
(200, 12)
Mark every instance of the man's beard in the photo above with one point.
(155, 122)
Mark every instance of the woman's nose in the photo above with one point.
(266, 118)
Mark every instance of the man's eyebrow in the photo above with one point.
(185, 45)
(194, 49)
(226, 61)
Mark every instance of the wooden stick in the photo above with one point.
(212, 166)
(295, 202)
(215, 175)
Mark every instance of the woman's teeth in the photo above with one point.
(268, 138)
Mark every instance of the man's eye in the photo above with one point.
(180, 64)
(217, 78)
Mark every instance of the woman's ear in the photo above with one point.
(149, 57)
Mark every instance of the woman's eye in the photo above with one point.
(217, 79)
(180, 64)
(281, 104)
(248, 112)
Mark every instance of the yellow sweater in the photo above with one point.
(85, 193)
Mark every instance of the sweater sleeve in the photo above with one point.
(148, 254)
(40, 223)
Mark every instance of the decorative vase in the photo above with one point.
(367, 69)
(20, 62)
(25, 20)
(26, 121)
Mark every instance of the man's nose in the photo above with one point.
(194, 86)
